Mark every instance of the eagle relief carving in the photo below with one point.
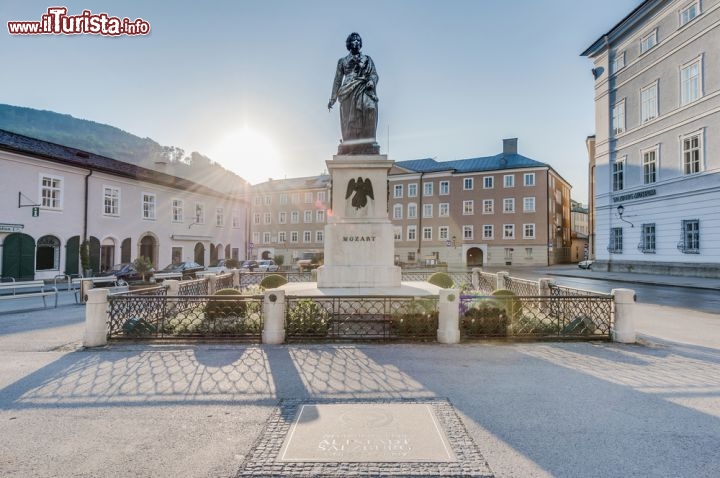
(360, 190)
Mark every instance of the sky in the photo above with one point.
(247, 82)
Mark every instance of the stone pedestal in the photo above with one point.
(359, 237)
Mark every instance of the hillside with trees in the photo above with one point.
(115, 143)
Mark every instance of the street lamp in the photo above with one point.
(620, 211)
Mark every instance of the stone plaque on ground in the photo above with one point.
(366, 432)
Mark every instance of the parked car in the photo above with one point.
(268, 265)
(585, 264)
(126, 271)
(249, 266)
(187, 268)
(221, 266)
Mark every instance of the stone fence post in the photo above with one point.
(625, 310)
(501, 276)
(544, 290)
(449, 316)
(96, 318)
(212, 284)
(173, 286)
(236, 278)
(274, 316)
(476, 271)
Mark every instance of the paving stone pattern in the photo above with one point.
(262, 460)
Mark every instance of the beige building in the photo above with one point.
(502, 210)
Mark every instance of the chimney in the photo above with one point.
(510, 146)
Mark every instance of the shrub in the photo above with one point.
(509, 300)
(441, 279)
(307, 317)
(219, 308)
(279, 259)
(416, 318)
(273, 281)
(143, 266)
(487, 317)
(232, 263)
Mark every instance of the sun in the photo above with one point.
(249, 153)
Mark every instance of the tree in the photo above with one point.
(143, 265)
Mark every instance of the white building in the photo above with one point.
(53, 197)
(657, 140)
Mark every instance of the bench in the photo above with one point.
(82, 284)
(34, 285)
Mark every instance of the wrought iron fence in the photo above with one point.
(459, 278)
(561, 290)
(549, 317)
(521, 286)
(176, 317)
(193, 287)
(361, 318)
(487, 282)
(224, 281)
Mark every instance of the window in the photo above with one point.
(468, 232)
(258, 200)
(487, 231)
(412, 190)
(266, 238)
(256, 237)
(529, 204)
(690, 82)
(268, 200)
(308, 198)
(427, 189)
(618, 174)
(295, 217)
(509, 205)
(176, 254)
(468, 207)
(528, 231)
(282, 217)
(307, 236)
(690, 243)
(177, 210)
(294, 236)
(509, 181)
(508, 231)
(398, 191)
(236, 219)
(319, 236)
(688, 13)
(647, 244)
(320, 216)
(650, 165)
(618, 62)
(467, 184)
(427, 210)
(282, 237)
(444, 209)
(397, 211)
(488, 206)
(616, 245)
(256, 218)
(411, 257)
(488, 182)
(148, 205)
(443, 233)
(199, 213)
(508, 254)
(412, 211)
(308, 216)
(267, 219)
(283, 199)
(648, 41)
(411, 233)
(295, 198)
(219, 217)
(47, 254)
(51, 192)
(397, 233)
(648, 103)
(427, 233)
(529, 179)
(321, 196)
(691, 153)
(444, 188)
(618, 117)
(111, 201)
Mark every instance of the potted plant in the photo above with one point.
(143, 266)
(85, 258)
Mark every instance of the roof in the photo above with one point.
(622, 26)
(309, 182)
(471, 165)
(66, 155)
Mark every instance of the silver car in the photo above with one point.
(267, 265)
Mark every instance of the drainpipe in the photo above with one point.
(85, 219)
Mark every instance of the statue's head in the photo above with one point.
(350, 38)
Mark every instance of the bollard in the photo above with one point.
(96, 318)
(274, 317)
(476, 271)
(449, 316)
(624, 329)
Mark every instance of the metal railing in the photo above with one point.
(487, 282)
(224, 281)
(193, 287)
(459, 278)
(177, 317)
(361, 318)
(521, 286)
